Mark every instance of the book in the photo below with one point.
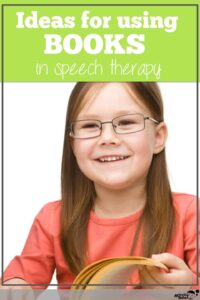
(111, 271)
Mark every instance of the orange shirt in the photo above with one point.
(106, 238)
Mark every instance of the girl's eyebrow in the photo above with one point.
(116, 114)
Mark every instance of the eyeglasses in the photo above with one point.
(131, 123)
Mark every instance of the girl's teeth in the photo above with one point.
(111, 158)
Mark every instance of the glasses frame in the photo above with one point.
(70, 131)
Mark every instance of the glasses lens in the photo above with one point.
(129, 123)
(86, 128)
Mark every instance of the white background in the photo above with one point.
(34, 119)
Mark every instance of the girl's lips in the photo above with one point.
(111, 158)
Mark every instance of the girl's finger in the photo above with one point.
(171, 261)
(152, 275)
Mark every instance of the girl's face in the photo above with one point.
(136, 149)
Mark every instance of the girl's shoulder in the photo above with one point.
(184, 203)
(49, 217)
(183, 197)
(50, 208)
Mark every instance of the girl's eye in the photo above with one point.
(89, 126)
(126, 122)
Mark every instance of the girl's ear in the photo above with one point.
(160, 137)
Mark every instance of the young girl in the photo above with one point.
(116, 198)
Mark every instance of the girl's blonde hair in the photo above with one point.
(78, 191)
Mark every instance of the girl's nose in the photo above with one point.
(108, 135)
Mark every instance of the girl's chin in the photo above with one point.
(114, 184)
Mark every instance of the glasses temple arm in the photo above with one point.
(152, 119)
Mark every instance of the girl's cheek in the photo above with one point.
(136, 142)
(82, 148)
(141, 145)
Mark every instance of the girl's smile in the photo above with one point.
(111, 158)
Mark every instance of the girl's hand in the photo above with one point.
(178, 272)
(14, 292)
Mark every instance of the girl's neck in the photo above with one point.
(118, 203)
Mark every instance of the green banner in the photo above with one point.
(99, 42)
